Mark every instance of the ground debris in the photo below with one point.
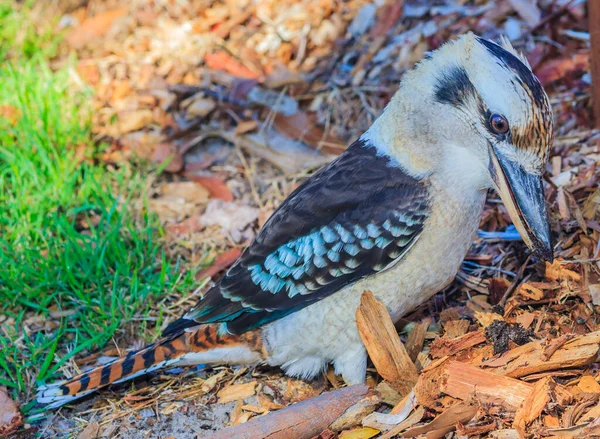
(241, 101)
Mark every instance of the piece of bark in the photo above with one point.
(415, 340)
(356, 413)
(383, 344)
(528, 359)
(533, 405)
(443, 346)
(445, 422)
(466, 382)
(594, 28)
(302, 420)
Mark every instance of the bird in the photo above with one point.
(395, 214)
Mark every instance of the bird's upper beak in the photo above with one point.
(523, 195)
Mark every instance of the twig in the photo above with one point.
(513, 286)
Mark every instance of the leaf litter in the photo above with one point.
(239, 101)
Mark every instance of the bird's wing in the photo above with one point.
(351, 219)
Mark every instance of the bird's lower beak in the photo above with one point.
(523, 195)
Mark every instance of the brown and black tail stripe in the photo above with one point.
(156, 355)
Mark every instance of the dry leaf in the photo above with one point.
(558, 68)
(94, 27)
(246, 126)
(134, 120)
(167, 151)
(359, 433)
(200, 108)
(221, 262)
(178, 200)
(90, 431)
(11, 418)
(221, 60)
(215, 185)
(301, 126)
(232, 217)
(235, 392)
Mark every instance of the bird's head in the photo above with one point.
(476, 101)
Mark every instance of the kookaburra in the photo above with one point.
(394, 214)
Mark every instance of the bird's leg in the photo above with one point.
(352, 365)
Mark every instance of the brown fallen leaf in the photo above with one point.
(94, 27)
(558, 68)
(215, 186)
(221, 262)
(167, 151)
(301, 126)
(246, 126)
(11, 418)
(221, 60)
(90, 431)
(134, 120)
(235, 392)
(178, 199)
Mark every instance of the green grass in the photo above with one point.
(73, 252)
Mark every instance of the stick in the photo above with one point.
(299, 421)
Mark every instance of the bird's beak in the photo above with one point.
(523, 195)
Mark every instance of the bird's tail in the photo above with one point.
(200, 345)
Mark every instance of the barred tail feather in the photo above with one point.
(197, 345)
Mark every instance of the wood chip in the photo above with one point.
(415, 340)
(467, 382)
(383, 344)
(527, 359)
(236, 392)
(588, 384)
(443, 346)
(533, 405)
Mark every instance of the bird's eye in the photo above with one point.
(499, 124)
